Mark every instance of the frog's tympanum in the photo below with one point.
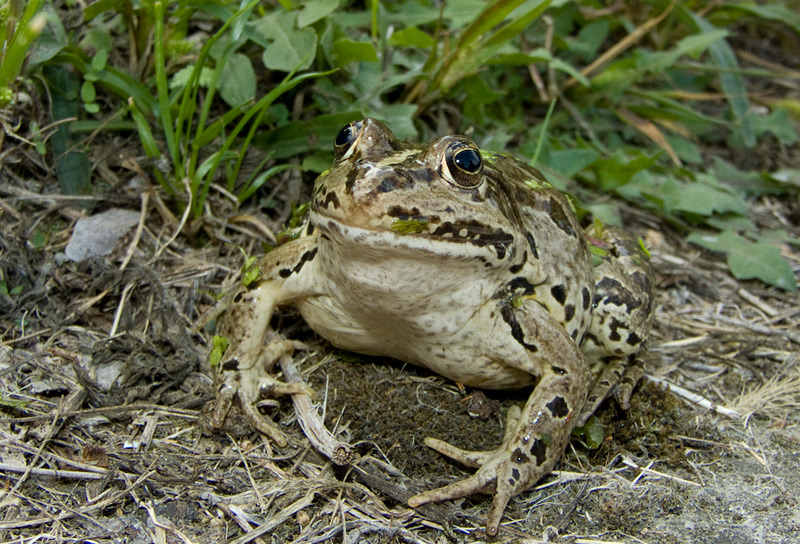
(464, 262)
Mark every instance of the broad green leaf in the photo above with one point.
(290, 48)
(618, 169)
(411, 36)
(314, 10)
(237, 83)
(99, 60)
(778, 123)
(348, 51)
(88, 92)
(570, 161)
(697, 198)
(750, 260)
(744, 182)
(691, 45)
(399, 117)
(789, 176)
(589, 39)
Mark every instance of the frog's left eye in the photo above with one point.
(462, 165)
(343, 144)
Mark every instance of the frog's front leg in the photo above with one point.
(535, 438)
(253, 349)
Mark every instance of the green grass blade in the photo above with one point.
(731, 80)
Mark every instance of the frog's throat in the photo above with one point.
(415, 239)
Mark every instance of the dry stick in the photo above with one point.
(341, 453)
(184, 218)
(620, 46)
(139, 230)
(63, 474)
(694, 398)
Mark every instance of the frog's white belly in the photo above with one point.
(459, 349)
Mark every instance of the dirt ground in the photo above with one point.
(103, 379)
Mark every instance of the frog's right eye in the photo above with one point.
(345, 141)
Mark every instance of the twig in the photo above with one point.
(694, 398)
(341, 453)
(647, 470)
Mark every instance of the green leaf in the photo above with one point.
(314, 10)
(291, 48)
(732, 80)
(698, 198)
(237, 82)
(592, 433)
(619, 168)
(570, 161)
(772, 12)
(750, 260)
(691, 45)
(348, 51)
(411, 36)
(219, 345)
(88, 92)
(99, 60)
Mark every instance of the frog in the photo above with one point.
(467, 263)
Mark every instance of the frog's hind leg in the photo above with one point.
(619, 376)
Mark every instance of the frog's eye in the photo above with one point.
(462, 165)
(343, 144)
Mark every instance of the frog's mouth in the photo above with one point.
(460, 240)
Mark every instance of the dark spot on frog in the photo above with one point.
(611, 291)
(330, 200)
(574, 334)
(404, 213)
(559, 293)
(539, 451)
(350, 180)
(633, 339)
(569, 312)
(507, 311)
(385, 186)
(587, 298)
(532, 244)
(519, 457)
(514, 475)
(555, 211)
(614, 326)
(307, 256)
(501, 250)
(238, 298)
(558, 407)
(230, 364)
(519, 283)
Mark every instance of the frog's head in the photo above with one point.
(444, 196)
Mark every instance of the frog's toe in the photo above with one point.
(479, 482)
(473, 459)
(486, 480)
(262, 424)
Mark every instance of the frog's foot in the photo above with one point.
(620, 376)
(249, 384)
(502, 472)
